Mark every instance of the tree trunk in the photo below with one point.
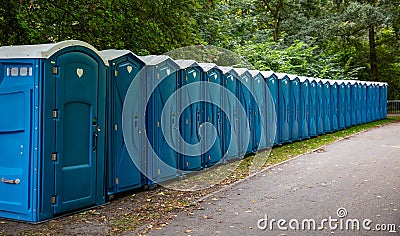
(372, 54)
(276, 29)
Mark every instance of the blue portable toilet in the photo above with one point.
(384, 100)
(122, 173)
(305, 104)
(296, 108)
(334, 105)
(321, 109)
(313, 107)
(379, 101)
(284, 107)
(230, 118)
(327, 118)
(364, 100)
(359, 102)
(161, 78)
(342, 104)
(272, 106)
(369, 96)
(213, 113)
(190, 119)
(348, 103)
(52, 137)
(260, 128)
(375, 101)
(353, 102)
(245, 97)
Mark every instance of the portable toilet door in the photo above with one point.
(296, 108)
(190, 95)
(284, 107)
(342, 105)
(363, 103)
(353, 102)
(245, 98)
(272, 107)
(380, 100)
(377, 113)
(313, 107)
(385, 99)
(372, 101)
(334, 105)
(305, 112)
(328, 108)
(230, 121)
(122, 172)
(260, 129)
(55, 129)
(161, 74)
(213, 95)
(376, 101)
(320, 107)
(359, 102)
(348, 103)
(369, 96)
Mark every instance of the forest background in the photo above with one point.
(328, 39)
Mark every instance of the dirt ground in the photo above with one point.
(133, 212)
(120, 216)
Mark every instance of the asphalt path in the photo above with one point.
(355, 181)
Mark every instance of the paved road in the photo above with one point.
(360, 174)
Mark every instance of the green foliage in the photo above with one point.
(320, 38)
(150, 26)
(297, 58)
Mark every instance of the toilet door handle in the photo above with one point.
(15, 181)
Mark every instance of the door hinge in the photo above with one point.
(116, 181)
(53, 199)
(54, 156)
(159, 172)
(115, 127)
(55, 70)
(55, 114)
(115, 73)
